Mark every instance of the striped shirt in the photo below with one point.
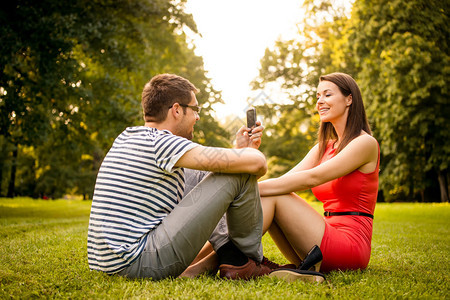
(137, 187)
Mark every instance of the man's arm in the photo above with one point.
(222, 160)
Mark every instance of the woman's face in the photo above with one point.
(331, 104)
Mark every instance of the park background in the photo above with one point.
(72, 75)
(70, 82)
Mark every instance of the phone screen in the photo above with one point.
(251, 117)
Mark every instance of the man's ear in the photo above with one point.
(349, 100)
(176, 111)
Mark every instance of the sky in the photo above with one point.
(234, 36)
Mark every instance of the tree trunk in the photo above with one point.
(1, 178)
(12, 180)
(411, 195)
(422, 195)
(442, 177)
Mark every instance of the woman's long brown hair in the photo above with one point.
(356, 119)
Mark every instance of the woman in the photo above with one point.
(342, 171)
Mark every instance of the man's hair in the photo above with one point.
(161, 92)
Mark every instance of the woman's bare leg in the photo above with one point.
(275, 232)
(283, 244)
(300, 225)
(205, 261)
(205, 251)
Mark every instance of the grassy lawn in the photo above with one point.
(43, 255)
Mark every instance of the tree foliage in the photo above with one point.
(70, 81)
(294, 67)
(401, 51)
(398, 53)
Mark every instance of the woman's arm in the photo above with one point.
(358, 154)
(308, 162)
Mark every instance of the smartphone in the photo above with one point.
(251, 119)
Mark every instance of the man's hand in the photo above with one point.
(244, 140)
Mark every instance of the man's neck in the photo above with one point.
(159, 126)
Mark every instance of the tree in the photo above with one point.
(71, 78)
(294, 67)
(398, 53)
(289, 134)
(401, 51)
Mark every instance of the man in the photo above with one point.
(143, 225)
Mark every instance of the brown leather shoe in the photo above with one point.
(274, 266)
(250, 270)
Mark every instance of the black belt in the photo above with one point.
(344, 213)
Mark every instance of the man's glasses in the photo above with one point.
(195, 108)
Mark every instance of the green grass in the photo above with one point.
(43, 255)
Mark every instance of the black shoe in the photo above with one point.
(313, 260)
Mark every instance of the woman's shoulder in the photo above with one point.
(367, 138)
(366, 143)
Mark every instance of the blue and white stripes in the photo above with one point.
(137, 187)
